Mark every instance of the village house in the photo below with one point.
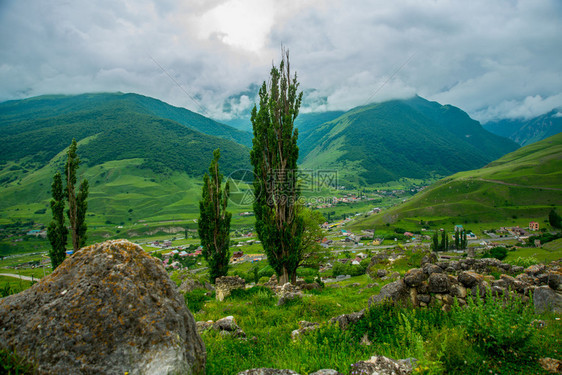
(534, 226)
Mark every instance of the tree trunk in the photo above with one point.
(284, 277)
(72, 214)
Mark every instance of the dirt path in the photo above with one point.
(28, 278)
(517, 185)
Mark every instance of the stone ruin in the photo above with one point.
(226, 284)
(442, 282)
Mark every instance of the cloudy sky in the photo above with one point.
(494, 59)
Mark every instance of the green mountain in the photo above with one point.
(397, 139)
(50, 106)
(139, 164)
(526, 132)
(526, 183)
(117, 127)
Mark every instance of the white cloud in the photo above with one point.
(492, 59)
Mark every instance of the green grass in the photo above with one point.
(460, 342)
(554, 246)
(543, 255)
(11, 285)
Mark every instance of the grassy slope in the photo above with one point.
(401, 138)
(524, 183)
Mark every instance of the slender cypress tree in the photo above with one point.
(77, 205)
(554, 219)
(57, 233)
(435, 244)
(274, 156)
(457, 240)
(81, 208)
(214, 221)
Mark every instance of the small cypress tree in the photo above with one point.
(57, 233)
(554, 219)
(214, 221)
(457, 240)
(435, 244)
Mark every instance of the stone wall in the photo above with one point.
(226, 284)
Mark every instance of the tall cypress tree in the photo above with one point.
(274, 157)
(214, 221)
(57, 233)
(77, 205)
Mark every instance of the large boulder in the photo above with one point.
(108, 309)
(470, 279)
(546, 299)
(414, 277)
(395, 292)
(438, 283)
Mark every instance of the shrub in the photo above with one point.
(525, 261)
(498, 252)
(11, 363)
(498, 326)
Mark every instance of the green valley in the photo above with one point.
(526, 183)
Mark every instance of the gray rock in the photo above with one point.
(545, 300)
(382, 273)
(555, 281)
(108, 309)
(535, 270)
(228, 327)
(288, 297)
(425, 298)
(429, 269)
(189, 285)
(395, 292)
(267, 371)
(438, 283)
(326, 372)
(346, 319)
(304, 328)
(414, 277)
(380, 365)
(203, 326)
(429, 258)
(469, 279)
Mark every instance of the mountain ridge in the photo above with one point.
(396, 139)
(527, 131)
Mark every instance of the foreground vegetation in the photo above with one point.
(488, 336)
